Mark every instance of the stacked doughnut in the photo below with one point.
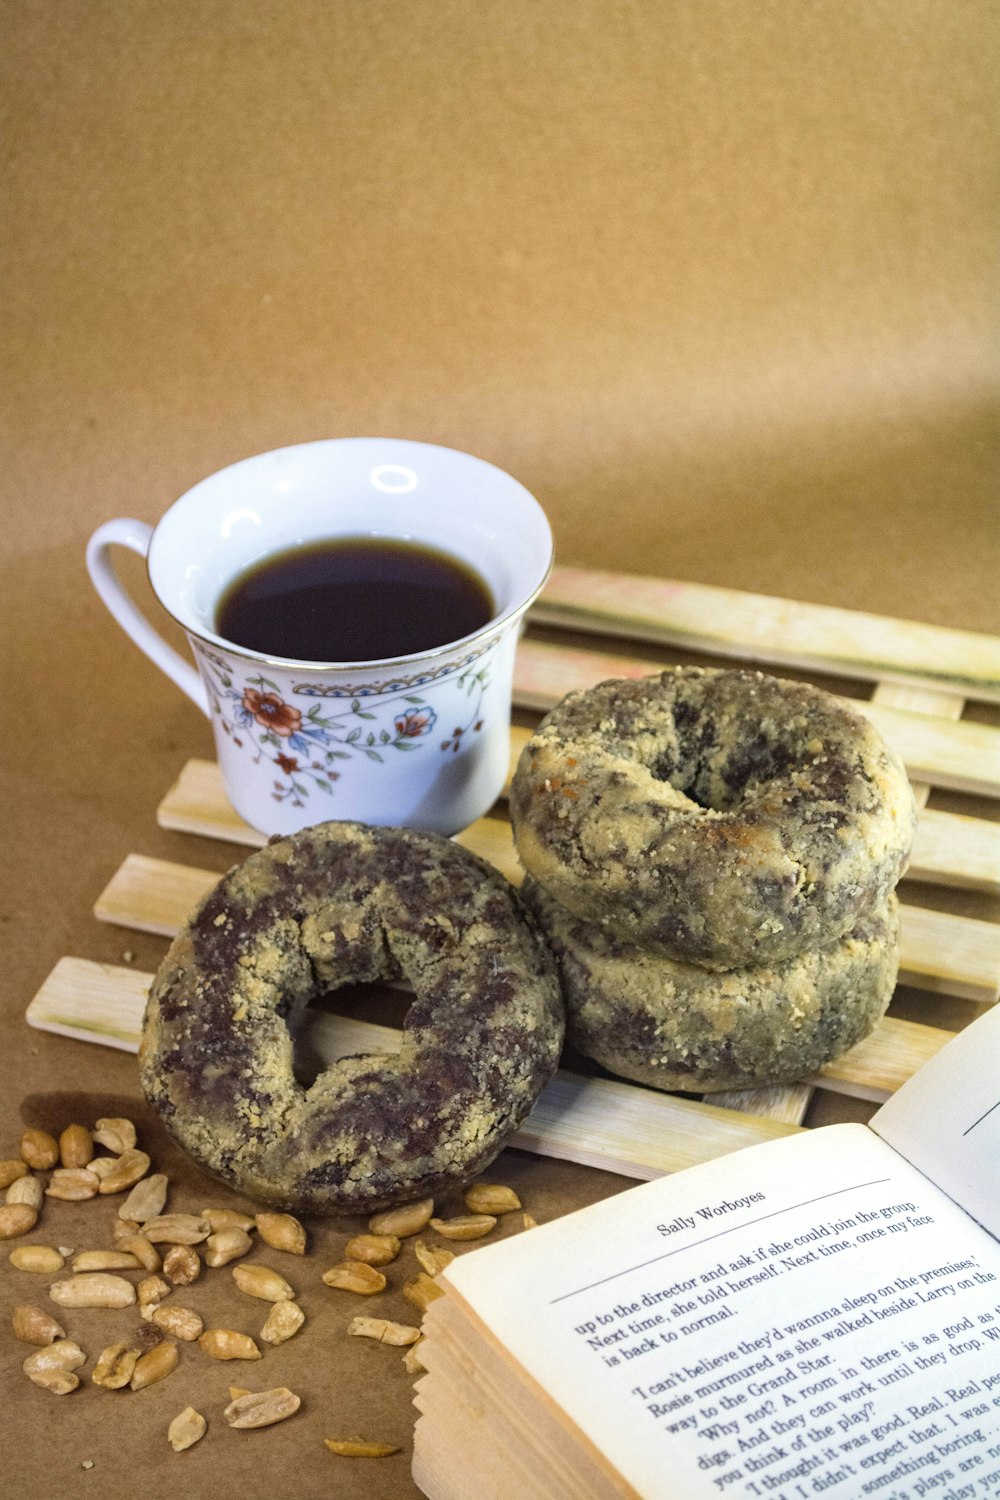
(712, 856)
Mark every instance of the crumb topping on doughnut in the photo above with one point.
(724, 817)
(345, 903)
(681, 1026)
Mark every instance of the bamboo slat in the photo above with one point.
(950, 849)
(593, 1121)
(756, 627)
(963, 757)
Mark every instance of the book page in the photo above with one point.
(808, 1317)
(946, 1120)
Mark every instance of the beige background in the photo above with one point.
(717, 281)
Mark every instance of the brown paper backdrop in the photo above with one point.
(717, 281)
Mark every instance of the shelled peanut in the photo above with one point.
(167, 1250)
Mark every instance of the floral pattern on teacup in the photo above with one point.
(310, 747)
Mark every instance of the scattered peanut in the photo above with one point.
(39, 1149)
(131, 1165)
(33, 1325)
(528, 1221)
(226, 1343)
(146, 1200)
(116, 1134)
(282, 1232)
(16, 1219)
(384, 1331)
(181, 1265)
(226, 1218)
(53, 1366)
(146, 1254)
(402, 1222)
(355, 1276)
(180, 1322)
(236, 1391)
(75, 1146)
(176, 1229)
(433, 1258)
(360, 1447)
(490, 1198)
(93, 1289)
(11, 1170)
(121, 1229)
(73, 1184)
(154, 1366)
(284, 1320)
(187, 1428)
(412, 1362)
(102, 1166)
(105, 1260)
(115, 1366)
(152, 1289)
(465, 1226)
(262, 1282)
(27, 1190)
(373, 1249)
(226, 1245)
(43, 1259)
(262, 1408)
(422, 1291)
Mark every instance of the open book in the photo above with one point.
(816, 1316)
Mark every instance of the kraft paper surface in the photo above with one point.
(716, 281)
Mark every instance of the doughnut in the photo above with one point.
(335, 904)
(683, 1027)
(720, 817)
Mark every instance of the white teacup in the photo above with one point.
(419, 740)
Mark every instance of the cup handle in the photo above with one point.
(125, 532)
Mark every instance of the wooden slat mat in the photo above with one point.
(923, 676)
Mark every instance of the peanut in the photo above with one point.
(27, 1190)
(176, 1229)
(284, 1320)
(355, 1276)
(373, 1249)
(43, 1259)
(16, 1219)
(93, 1289)
(115, 1365)
(39, 1149)
(102, 1166)
(33, 1325)
(75, 1146)
(384, 1331)
(146, 1200)
(11, 1170)
(180, 1322)
(422, 1291)
(73, 1184)
(227, 1218)
(282, 1232)
(181, 1265)
(465, 1226)
(402, 1222)
(146, 1254)
(433, 1258)
(412, 1362)
(130, 1166)
(262, 1282)
(528, 1221)
(154, 1366)
(490, 1198)
(104, 1260)
(187, 1428)
(225, 1343)
(53, 1366)
(115, 1133)
(153, 1289)
(121, 1229)
(226, 1245)
(262, 1408)
(360, 1447)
